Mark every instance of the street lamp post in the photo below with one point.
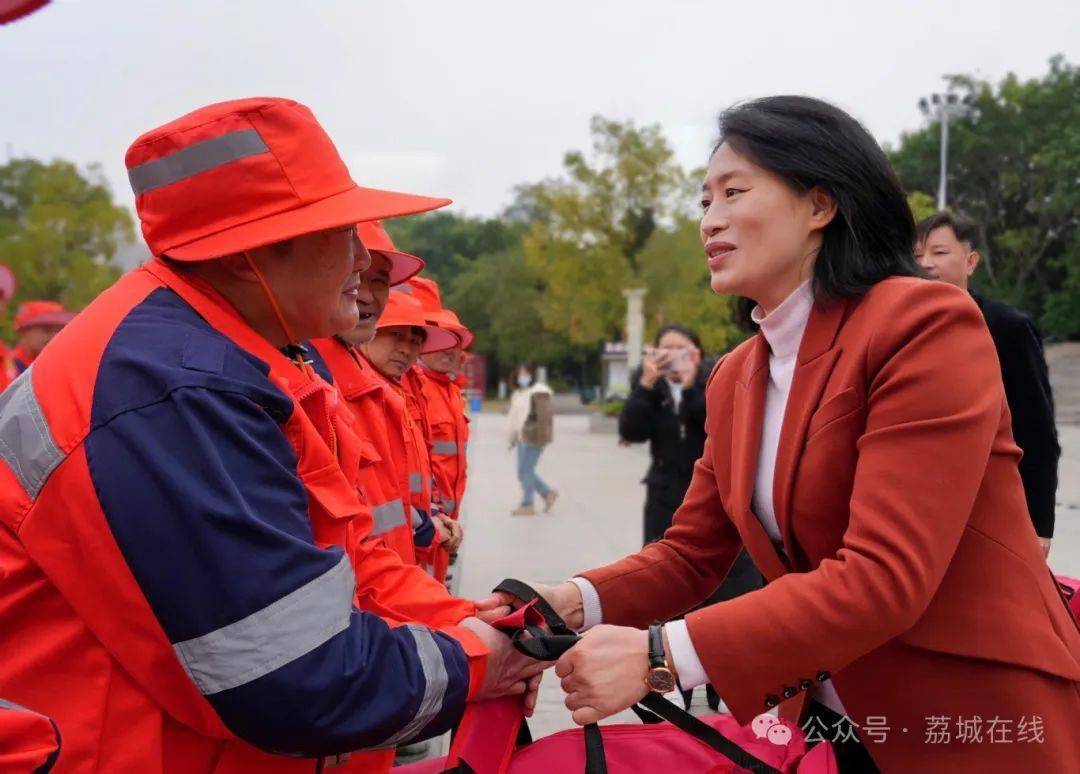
(942, 107)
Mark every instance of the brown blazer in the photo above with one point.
(910, 572)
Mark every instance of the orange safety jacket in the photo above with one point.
(432, 557)
(7, 366)
(449, 429)
(21, 359)
(394, 463)
(29, 742)
(177, 591)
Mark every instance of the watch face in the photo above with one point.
(661, 680)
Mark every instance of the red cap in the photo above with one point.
(376, 240)
(33, 313)
(237, 175)
(10, 10)
(426, 291)
(8, 283)
(402, 310)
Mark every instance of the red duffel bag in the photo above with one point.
(493, 737)
(1070, 589)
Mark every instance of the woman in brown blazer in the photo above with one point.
(859, 447)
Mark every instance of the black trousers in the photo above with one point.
(851, 754)
(661, 502)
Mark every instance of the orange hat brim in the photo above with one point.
(446, 319)
(403, 266)
(436, 340)
(45, 319)
(349, 207)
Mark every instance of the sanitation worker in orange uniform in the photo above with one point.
(178, 486)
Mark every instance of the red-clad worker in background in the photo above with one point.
(36, 324)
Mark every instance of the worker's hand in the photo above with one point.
(605, 672)
(507, 673)
(451, 532)
(1045, 543)
(565, 598)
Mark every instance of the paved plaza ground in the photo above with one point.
(598, 517)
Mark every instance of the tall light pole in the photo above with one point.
(942, 107)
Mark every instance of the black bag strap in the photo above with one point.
(526, 594)
(703, 732)
(654, 708)
(595, 759)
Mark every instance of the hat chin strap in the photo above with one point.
(297, 350)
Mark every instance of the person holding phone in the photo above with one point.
(666, 408)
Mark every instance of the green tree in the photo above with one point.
(922, 205)
(59, 230)
(1013, 167)
(444, 239)
(499, 296)
(589, 228)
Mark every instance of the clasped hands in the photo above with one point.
(601, 675)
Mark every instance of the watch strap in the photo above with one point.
(656, 645)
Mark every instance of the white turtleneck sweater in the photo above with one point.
(783, 329)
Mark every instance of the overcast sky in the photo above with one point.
(467, 99)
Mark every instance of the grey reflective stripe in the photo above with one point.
(444, 447)
(200, 157)
(448, 504)
(26, 444)
(416, 483)
(270, 638)
(436, 681)
(387, 516)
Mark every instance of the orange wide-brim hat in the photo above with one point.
(403, 266)
(401, 310)
(446, 318)
(32, 314)
(426, 291)
(238, 175)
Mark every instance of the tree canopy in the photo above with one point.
(1014, 167)
(59, 231)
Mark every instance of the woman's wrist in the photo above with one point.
(667, 655)
(568, 603)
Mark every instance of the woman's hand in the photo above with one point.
(652, 365)
(565, 598)
(688, 368)
(605, 672)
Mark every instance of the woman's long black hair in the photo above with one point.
(810, 143)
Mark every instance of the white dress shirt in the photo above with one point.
(783, 329)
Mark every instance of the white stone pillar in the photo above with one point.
(635, 326)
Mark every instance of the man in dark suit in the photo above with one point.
(946, 249)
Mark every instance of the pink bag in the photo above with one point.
(1070, 589)
(493, 739)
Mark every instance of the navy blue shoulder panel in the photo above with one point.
(162, 345)
(199, 486)
(317, 362)
(192, 470)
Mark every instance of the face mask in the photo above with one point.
(524, 380)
